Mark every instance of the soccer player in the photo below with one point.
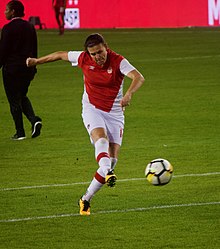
(59, 9)
(18, 41)
(103, 104)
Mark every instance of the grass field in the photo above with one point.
(175, 115)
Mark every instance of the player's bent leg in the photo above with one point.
(104, 173)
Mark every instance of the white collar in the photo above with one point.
(15, 18)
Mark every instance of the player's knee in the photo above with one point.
(98, 134)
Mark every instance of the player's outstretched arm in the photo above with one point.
(60, 55)
(137, 81)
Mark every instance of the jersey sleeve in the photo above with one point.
(73, 57)
(126, 67)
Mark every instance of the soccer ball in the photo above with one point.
(159, 172)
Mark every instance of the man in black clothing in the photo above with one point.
(18, 41)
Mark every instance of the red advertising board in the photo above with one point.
(125, 13)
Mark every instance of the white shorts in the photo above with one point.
(113, 123)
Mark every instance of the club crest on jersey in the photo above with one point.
(109, 70)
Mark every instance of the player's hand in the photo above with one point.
(62, 9)
(125, 101)
(30, 62)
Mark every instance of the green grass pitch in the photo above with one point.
(175, 115)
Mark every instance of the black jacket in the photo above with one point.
(18, 42)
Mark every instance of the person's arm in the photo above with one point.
(1, 53)
(137, 81)
(60, 55)
(35, 44)
(65, 3)
(5, 45)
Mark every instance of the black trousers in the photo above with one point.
(16, 83)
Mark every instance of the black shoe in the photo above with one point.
(17, 137)
(36, 127)
(110, 179)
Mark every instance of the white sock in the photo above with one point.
(94, 187)
(103, 159)
(102, 156)
(113, 162)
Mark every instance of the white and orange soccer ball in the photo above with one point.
(159, 172)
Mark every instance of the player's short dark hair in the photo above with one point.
(93, 40)
(17, 6)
